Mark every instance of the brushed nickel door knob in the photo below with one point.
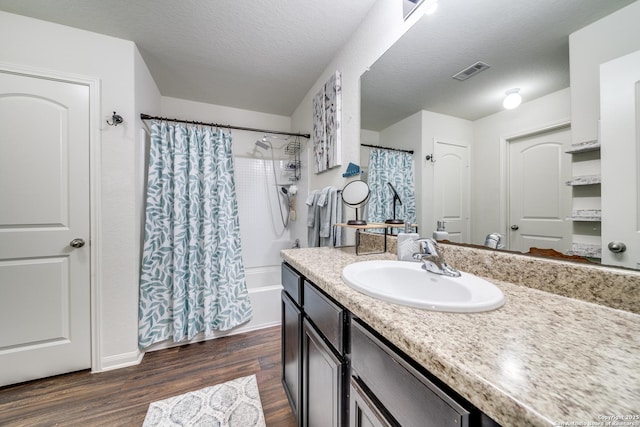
(77, 243)
(617, 247)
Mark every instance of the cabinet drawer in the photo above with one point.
(410, 397)
(326, 315)
(292, 283)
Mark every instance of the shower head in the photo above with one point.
(262, 143)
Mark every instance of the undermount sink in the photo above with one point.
(407, 283)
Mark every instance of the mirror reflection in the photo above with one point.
(533, 176)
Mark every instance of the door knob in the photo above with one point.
(514, 227)
(617, 247)
(76, 243)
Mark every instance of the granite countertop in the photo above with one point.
(540, 360)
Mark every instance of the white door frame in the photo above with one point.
(95, 196)
(504, 167)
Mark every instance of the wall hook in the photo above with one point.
(116, 119)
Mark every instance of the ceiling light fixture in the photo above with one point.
(513, 99)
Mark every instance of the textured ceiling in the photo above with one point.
(256, 55)
(525, 43)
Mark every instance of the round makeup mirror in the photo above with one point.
(356, 194)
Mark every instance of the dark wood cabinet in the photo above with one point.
(338, 371)
(408, 396)
(292, 353)
(323, 381)
(314, 366)
(363, 412)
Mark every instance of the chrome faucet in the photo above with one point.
(433, 259)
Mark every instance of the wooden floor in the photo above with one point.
(121, 397)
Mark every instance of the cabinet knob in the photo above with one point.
(514, 227)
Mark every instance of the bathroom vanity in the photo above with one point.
(540, 360)
(333, 361)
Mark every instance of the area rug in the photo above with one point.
(235, 403)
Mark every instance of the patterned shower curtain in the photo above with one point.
(192, 276)
(395, 167)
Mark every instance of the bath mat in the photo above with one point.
(235, 403)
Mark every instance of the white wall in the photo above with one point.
(487, 159)
(367, 137)
(612, 36)
(27, 42)
(379, 30)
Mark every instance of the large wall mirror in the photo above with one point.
(460, 131)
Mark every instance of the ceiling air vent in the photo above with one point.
(470, 71)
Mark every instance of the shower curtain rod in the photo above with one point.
(275, 132)
(387, 148)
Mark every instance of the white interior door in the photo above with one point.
(44, 194)
(451, 189)
(620, 136)
(539, 199)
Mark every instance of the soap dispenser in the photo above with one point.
(441, 233)
(407, 245)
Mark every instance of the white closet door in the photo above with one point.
(451, 189)
(539, 199)
(44, 194)
(620, 136)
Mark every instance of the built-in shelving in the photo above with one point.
(583, 147)
(586, 250)
(586, 215)
(585, 180)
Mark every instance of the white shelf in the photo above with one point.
(586, 215)
(586, 250)
(583, 147)
(585, 180)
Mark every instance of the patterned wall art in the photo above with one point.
(327, 131)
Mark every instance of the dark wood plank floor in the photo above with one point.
(121, 397)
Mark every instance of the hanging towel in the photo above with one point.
(313, 219)
(331, 214)
(326, 204)
(324, 211)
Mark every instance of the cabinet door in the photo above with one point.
(362, 411)
(409, 397)
(291, 353)
(323, 378)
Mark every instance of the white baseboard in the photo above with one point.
(266, 313)
(118, 361)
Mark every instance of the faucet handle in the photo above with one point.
(432, 257)
(428, 246)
